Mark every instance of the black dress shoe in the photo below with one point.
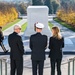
(6, 51)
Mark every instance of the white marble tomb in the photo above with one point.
(37, 14)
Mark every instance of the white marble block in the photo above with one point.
(37, 14)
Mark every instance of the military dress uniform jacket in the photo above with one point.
(16, 46)
(38, 44)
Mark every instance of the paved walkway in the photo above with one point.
(10, 29)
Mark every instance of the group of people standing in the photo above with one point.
(38, 44)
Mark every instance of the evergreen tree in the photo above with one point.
(49, 4)
(37, 2)
(55, 6)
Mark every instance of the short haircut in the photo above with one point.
(17, 26)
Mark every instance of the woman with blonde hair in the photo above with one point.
(56, 43)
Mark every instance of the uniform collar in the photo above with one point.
(15, 33)
(38, 33)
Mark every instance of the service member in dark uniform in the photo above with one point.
(38, 44)
(1, 41)
(16, 51)
(56, 43)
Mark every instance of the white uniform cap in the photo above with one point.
(17, 26)
(39, 25)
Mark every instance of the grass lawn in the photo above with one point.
(24, 26)
(64, 24)
(50, 25)
(10, 24)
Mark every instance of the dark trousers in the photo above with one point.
(4, 49)
(37, 65)
(56, 62)
(16, 67)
